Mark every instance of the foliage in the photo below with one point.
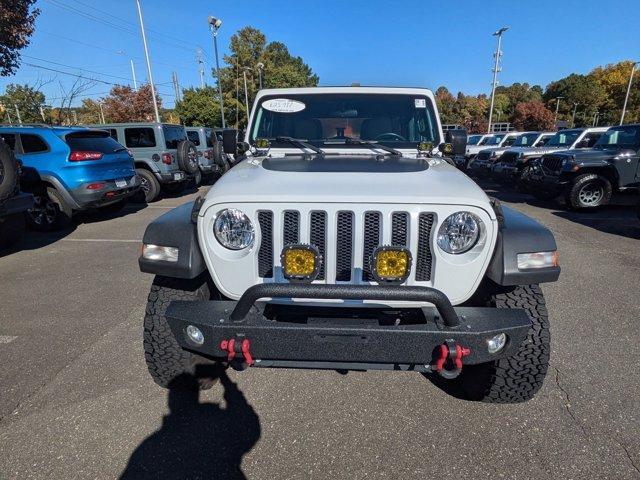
(17, 20)
(532, 116)
(27, 99)
(199, 107)
(124, 104)
(89, 112)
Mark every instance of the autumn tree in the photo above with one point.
(532, 116)
(614, 79)
(27, 99)
(17, 18)
(89, 112)
(124, 104)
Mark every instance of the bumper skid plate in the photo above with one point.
(345, 343)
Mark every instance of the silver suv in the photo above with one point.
(211, 159)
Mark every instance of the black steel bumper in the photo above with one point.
(541, 180)
(327, 340)
(480, 168)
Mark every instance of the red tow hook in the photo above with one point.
(232, 347)
(452, 353)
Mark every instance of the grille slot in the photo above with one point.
(265, 254)
(424, 260)
(344, 246)
(552, 163)
(509, 158)
(400, 229)
(291, 233)
(318, 237)
(372, 239)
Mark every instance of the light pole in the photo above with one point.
(214, 26)
(496, 69)
(133, 73)
(573, 118)
(555, 119)
(246, 94)
(146, 54)
(101, 113)
(260, 67)
(626, 98)
(595, 118)
(18, 114)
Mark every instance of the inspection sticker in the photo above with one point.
(283, 105)
(421, 102)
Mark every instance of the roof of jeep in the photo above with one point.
(321, 90)
(134, 124)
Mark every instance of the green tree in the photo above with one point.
(446, 103)
(582, 92)
(27, 99)
(614, 79)
(17, 20)
(199, 107)
(508, 97)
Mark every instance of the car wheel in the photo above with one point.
(11, 229)
(589, 191)
(49, 212)
(166, 361)
(149, 187)
(188, 157)
(517, 378)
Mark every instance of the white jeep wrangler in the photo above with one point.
(344, 239)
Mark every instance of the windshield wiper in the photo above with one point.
(296, 142)
(372, 146)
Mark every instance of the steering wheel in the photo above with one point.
(390, 136)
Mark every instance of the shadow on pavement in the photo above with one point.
(198, 440)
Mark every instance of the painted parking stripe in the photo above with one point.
(100, 240)
(7, 338)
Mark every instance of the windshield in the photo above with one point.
(485, 140)
(564, 138)
(620, 137)
(495, 140)
(396, 120)
(474, 139)
(526, 140)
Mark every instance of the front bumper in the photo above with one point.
(545, 181)
(109, 193)
(504, 171)
(171, 177)
(336, 338)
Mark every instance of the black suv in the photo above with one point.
(13, 203)
(587, 178)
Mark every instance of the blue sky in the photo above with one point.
(401, 43)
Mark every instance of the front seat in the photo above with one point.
(374, 127)
(309, 129)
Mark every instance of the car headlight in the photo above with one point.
(459, 232)
(233, 229)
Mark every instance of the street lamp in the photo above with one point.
(214, 26)
(496, 69)
(146, 54)
(573, 118)
(246, 94)
(260, 67)
(555, 120)
(626, 98)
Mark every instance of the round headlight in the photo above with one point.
(459, 232)
(233, 229)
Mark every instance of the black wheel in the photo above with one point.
(149, 187)
(174, 188)
(166, 361)
(522, 179)
(589, 191)
(8, 171)
(50, 211)
(188, 156)
(11, 229)
(517, 378)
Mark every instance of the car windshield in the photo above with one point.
(620, 137)
(564, 138)
(495, 140)
(327, 119)
(526, 140)
(484, 140)
(474, 139)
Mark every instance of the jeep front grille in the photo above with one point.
(336, 236)
(552, 163)
(509, 158)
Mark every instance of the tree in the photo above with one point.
(508, 97)
(89, 112)
(614, 79)
(200, 107)
(446, 103)
(583, 90)
(17, 20)
(532, 116)
(27, 99)
(124, 104)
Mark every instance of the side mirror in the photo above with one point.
(230, 141)
(458, 140)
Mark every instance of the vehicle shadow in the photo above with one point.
(198, 440)
(32, 240)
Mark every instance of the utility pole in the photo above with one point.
(595, 118)
(133, 72)
(214, 25)
(496, 69)
(260, 67)
(18, 114)
(200, 68)
(626, 98)
(573, 118)
(176, 85)
(555, 120)
(42, 114)
(246, 94)
(101, 113)
(146, 54)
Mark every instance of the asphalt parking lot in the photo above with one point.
(76, 400)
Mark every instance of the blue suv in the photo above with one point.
(70, 169)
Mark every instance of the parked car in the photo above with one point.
(70, 169)
(369, 249)
(485, 159)
(164, 157)
(497, 140)
(587, 178)
(514, 163)
(473, 148)
(13, 203)
(211, 158)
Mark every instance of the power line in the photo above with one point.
(78, 68)
(70, 74)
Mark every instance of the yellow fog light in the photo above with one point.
(425, 147)
(391, 264)
(300, 262)
(262, 143)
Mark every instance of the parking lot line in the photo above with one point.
(7, 338)
(114, 240)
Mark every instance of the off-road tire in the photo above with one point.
(151, 188)
(517, 378)
(166, 361)
(11, 229)
(8, 171)
(59, 212)
(187, 154)
(575, 197)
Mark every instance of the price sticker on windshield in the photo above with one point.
(420, 102)
(283, 105)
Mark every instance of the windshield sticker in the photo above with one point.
(421, 102)
(283, 105)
